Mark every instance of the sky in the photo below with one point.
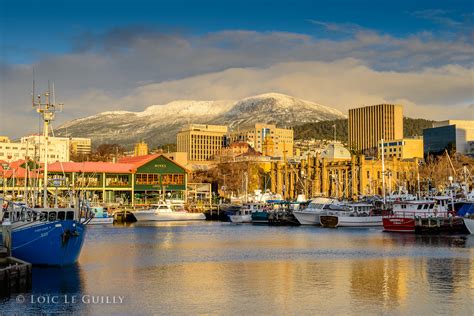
(107, 55)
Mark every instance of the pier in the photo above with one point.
(15, 274)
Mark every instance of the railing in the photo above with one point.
(17, 212)
(400, 214)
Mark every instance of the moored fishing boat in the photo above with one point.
(43, 236)
(404, 214)
(244, 215)
(360, 215)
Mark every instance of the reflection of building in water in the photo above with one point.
(380, 280)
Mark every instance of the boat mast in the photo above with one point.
(47, 112)
(383, 172)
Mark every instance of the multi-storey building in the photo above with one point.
(451, 135)
(267, 139)
(80, 145)
(10, 151)
(368, 125)
(201, 142)
(58, 147)
(405, 148)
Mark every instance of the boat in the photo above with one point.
(260, 217)
(244, 214)
(469, 223)
(43, 236)
(359, 215)
(310, 215)
(164, 212)
(404, 214)
(98, 216)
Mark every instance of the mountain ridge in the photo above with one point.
(158, 124)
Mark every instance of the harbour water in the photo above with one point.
(222, 268)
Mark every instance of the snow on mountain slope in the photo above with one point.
(158, 124)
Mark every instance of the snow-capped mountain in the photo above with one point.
(159, 124)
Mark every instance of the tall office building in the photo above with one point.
(368, 125)
(201, 142)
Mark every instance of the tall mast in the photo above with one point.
(47, 112)
(383, 173)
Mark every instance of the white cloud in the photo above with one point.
(130, 69)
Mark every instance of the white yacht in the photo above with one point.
(164, 212)
(310, 215)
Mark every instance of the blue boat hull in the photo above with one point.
(56, 243)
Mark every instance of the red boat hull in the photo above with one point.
(399, 224)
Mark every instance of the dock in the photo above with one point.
(15, 274)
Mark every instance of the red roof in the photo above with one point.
(91, 166)
(138, 160)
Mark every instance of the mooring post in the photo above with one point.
(7, 237)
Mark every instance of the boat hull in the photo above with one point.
(56, 243)
(360, 221)
(307, 218)
(469, 222)
(98, 221)
(169, 216)
(240, 218)
(399, 224)
(260, 218)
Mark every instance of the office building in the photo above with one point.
(368, 125)
(201, 142)
(452, 136)
(405, 148)
(80, 145)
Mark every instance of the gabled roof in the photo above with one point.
(139, 161)
(91, 167)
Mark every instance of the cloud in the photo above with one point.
(132, 68)
(350, 28)
(437, 16)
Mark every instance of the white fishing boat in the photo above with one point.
(310, 215)
(164, 212)
(244, 215)
(359, 215)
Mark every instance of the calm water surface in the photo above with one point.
(221, 268)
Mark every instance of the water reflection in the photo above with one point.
(57, 280)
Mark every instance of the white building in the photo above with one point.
(10, 151)
(58, 147)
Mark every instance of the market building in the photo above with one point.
(132, 181)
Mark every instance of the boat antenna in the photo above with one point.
(47, 111)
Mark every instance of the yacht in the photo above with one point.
(164, 212)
